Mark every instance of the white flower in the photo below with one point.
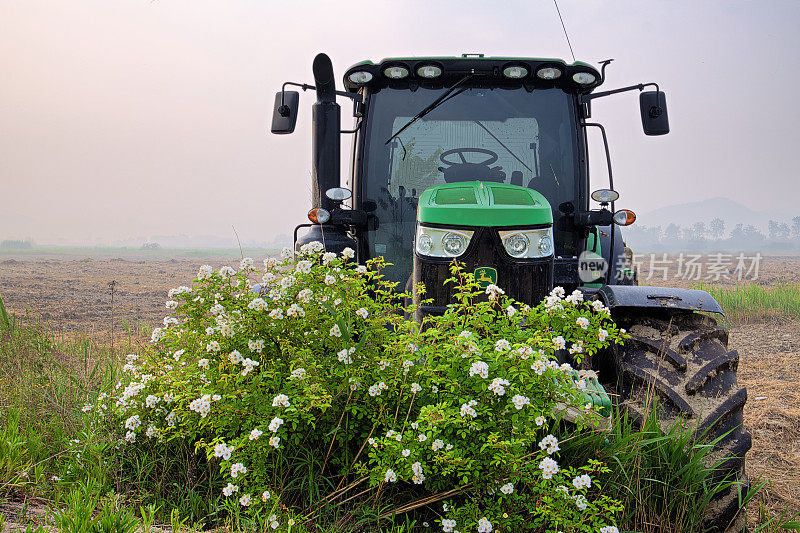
(245, 500)
(484, 526)
(276, 314)
(133, 423)
(157, 335)
(498, 386)
(172, 304)
(335, 331)
(265, 495)
(580, 482)
(217, 309)
(575, 298)
(286, 253)
(494, 291)
(227, 271)
(212, 346)
(257, 304)
(520, 401)
(275, 441)
(238, 468)
(295, 310)
(549, 467)
(287, 282)
(361, 269)
(580, 384)
(448, 525)
(557, 292)
(559, 343)
(246, 263)
(329, 280)
(416, 387)
(345, 355)
(151, 401)
(216, 397)
(390, 476)
(416, 468)
(508, 488)
(511, 310)
(280, 400)
(152, 431)
(249, 365)
(256, 345)
(275, 424)
(298, 374)
(415, 425)
(502, 345)
(255, 434)
(86, 408)
(205, 272)
(235, 357)
(480, 368)
(583, 322)
(201, 405)
(303, 267)
(437, 445)
(130, 436)
(305, 295)
(406, 452)
(362, 313)
(609, 529)
(601, 336)
(348, 253)
(374, 390)
(467, 409)
(177, 355)
(230, 489)
(422, 437)
(540, 420)
(327, 257)
(580, 501)
(539, 367)
(550, 443)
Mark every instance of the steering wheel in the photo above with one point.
(461, 151)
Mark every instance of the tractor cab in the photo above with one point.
(469, 138)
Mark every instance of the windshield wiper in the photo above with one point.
(433, 105)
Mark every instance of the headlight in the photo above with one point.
(442, 242)
(528, 243)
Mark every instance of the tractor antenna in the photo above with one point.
(565, 30)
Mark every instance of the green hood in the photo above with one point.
(483, 204)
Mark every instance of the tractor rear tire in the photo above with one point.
(683, 358)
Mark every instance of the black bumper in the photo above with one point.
(525, 280)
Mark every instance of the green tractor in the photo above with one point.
(484, 160)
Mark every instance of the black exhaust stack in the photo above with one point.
(326, 144)
(325, 148)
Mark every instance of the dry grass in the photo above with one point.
(772, 415)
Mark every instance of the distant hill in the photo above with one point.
(705, 210)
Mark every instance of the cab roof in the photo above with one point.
(407, 72)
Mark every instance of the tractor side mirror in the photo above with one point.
(284, 114)
(653, 106)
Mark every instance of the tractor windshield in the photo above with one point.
(488, 134)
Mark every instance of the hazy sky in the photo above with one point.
(121, 119)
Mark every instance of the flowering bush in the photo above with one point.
(321, 362)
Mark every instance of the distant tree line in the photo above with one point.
(780, 236)
(15, 245)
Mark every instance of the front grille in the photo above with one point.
(525, 280)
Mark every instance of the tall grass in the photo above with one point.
(749, 301)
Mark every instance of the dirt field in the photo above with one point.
(72, 293)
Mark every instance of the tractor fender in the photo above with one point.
(615, 296)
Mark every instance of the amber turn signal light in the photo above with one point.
(319, 215)
(624, 217)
